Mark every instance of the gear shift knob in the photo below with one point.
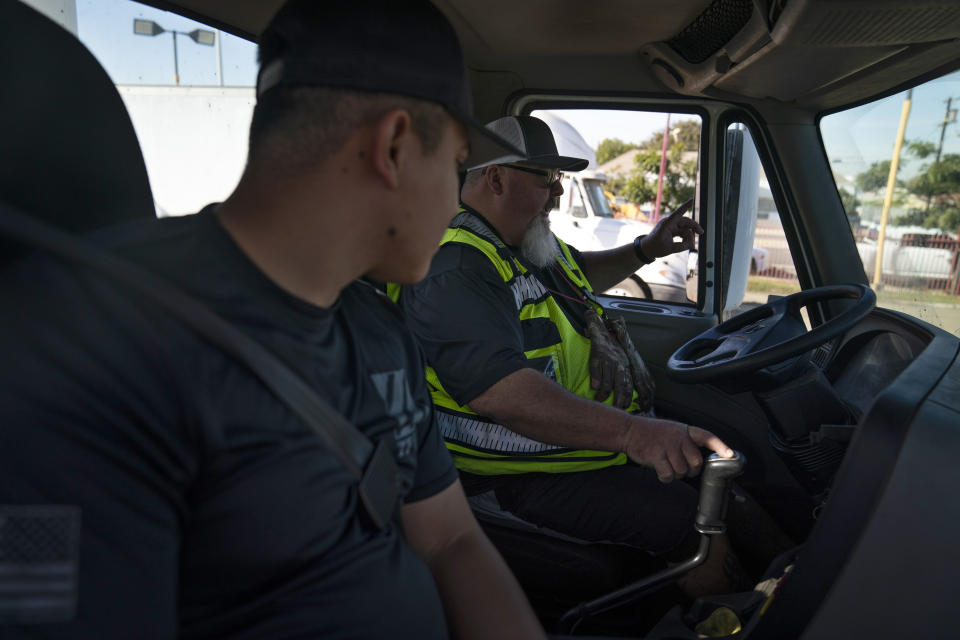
(715, 481)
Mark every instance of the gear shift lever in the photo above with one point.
(718, 473)
(715, 479)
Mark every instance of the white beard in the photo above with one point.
(539, 245)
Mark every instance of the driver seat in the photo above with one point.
(70, 158)
(70, 155)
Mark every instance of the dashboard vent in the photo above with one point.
(712, 29)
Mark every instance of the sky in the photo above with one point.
(853, 139)
(862, 135)
(630, 126)
(106, 27)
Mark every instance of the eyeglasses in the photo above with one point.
(552, 175)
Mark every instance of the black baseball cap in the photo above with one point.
(406, 47)
(534, 141)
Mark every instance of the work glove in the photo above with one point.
(609, 365)
(642, 380)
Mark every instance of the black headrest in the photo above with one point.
(68, 152)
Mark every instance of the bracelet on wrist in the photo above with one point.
(639, 252)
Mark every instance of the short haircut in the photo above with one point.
(299, 126)
(474, 176)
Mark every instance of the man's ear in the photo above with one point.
(494, 179)
(393, 142)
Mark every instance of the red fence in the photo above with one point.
(914, 260)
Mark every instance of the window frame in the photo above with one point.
(524, 103)
(797, 239)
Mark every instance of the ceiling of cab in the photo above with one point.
(566, 27)
(808, 54)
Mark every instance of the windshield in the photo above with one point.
(907, 143)
(598, 199)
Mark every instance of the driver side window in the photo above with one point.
(641, 166)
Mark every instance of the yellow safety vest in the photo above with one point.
(480, 445)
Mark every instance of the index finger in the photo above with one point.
(704, 438)
(682, 209)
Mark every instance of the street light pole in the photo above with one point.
(176, 65)
(219, 61)
(200, 36)
(948, 118)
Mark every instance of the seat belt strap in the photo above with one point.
(375, 469)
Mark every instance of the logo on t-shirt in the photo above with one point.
(393, 388)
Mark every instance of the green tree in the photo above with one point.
(936, 182)
(686, 132)
(875, 177)
(850, 206)
(849, 201)
(636, 188)
(921, 149)
(610, 148)
(648, 160)
(939, 183)
(679, 180)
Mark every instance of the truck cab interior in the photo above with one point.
(847, 412)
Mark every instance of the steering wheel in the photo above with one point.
(765, 335)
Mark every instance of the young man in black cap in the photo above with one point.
(520, 353)
(206, 507)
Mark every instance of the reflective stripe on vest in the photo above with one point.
(481, 446)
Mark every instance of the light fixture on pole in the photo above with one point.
(151, 28)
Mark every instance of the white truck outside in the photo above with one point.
(585, 220)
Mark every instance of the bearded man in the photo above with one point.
(522, 361)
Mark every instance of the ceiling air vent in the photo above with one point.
(712, 29)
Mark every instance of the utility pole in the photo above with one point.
(891, 182)
(948, 118)
(663, 167)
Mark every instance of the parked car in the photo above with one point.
(850, 426)
(929, 258)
